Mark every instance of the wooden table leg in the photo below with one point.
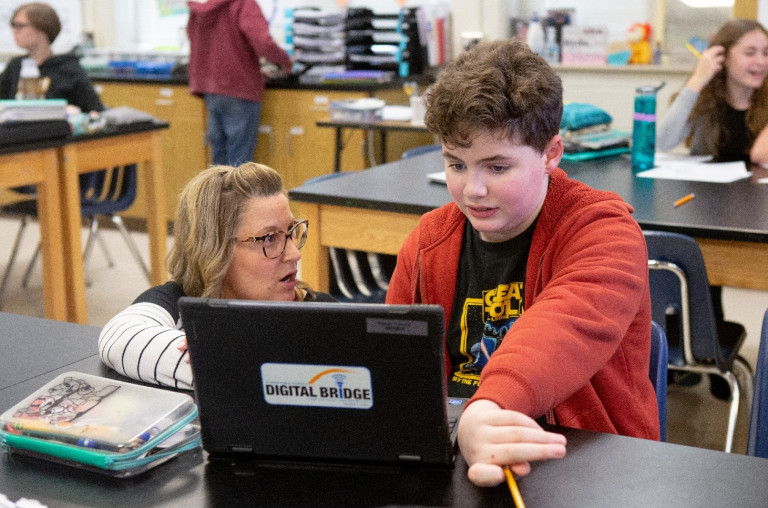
(71, 223)
(49, 212)
(314, 256)
(157, 226)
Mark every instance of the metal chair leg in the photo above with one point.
(117, 221)
(357, 274)
(337, 270)
(28, 272)
(14, 253)
(733, 412)
(102, 243)
(378, 274)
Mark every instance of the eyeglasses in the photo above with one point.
(273, 244)
(18, 26)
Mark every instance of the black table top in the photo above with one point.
(598, 470)
(732, 211)
(56, 142)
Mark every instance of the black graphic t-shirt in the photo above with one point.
(489, 299)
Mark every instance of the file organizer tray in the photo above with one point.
(110, 427)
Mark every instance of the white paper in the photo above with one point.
(696, 169)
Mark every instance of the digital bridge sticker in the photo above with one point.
(341, 386)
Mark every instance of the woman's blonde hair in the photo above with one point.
(208, 215)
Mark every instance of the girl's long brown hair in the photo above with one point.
(710, 107)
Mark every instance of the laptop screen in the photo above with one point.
(350, 382)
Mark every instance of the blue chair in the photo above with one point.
(658, 373)
(102, 193)
(757, 440)
(418, 150)
(681, 304)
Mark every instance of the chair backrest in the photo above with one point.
(418, 150)
(658, 373)
(680, 298)
(108, 191)
(757, 441)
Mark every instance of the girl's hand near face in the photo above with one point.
(711, 62)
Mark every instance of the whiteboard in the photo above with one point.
(71, 25)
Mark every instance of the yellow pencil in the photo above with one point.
(693, 50)
(513, 488)
(683, 200)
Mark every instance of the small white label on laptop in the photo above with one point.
(389, 326)
(292, 384)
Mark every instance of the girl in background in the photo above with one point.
(723, 109)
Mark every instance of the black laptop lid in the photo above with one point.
(319, 381)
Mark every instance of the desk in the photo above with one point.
(374, 210)
(81, 154)
(382, 126)
(599, 470)
(36, 164)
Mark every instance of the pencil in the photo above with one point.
(513, 488)
(683, 200)
(693, 50)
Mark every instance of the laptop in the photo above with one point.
(321, 381)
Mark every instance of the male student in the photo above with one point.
(544, 280)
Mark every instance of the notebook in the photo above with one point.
(321, 382)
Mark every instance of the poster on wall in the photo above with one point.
(71, 25)
(584, 45)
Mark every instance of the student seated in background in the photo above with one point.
(234, 237)
(35, 26)
(723, 109)
(544, 280)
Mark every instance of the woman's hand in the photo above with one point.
(710, 63)
(491, 438)
(182, 346)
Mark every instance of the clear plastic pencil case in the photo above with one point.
(112, 427)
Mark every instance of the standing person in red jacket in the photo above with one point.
(228, 39)
(544, 280)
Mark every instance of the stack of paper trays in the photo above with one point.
(33, 110)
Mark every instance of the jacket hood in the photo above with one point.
(205, 7)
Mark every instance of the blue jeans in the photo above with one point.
(233, 128)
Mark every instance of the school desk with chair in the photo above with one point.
(374, 210)
(57, 165)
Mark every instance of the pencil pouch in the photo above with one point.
(111, 427)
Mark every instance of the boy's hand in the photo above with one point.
(491, 437)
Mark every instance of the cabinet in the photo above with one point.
(289, 139)
(184, 150)
(291, 142)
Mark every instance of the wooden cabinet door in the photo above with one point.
(184, 150)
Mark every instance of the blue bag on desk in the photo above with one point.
(577, 116)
